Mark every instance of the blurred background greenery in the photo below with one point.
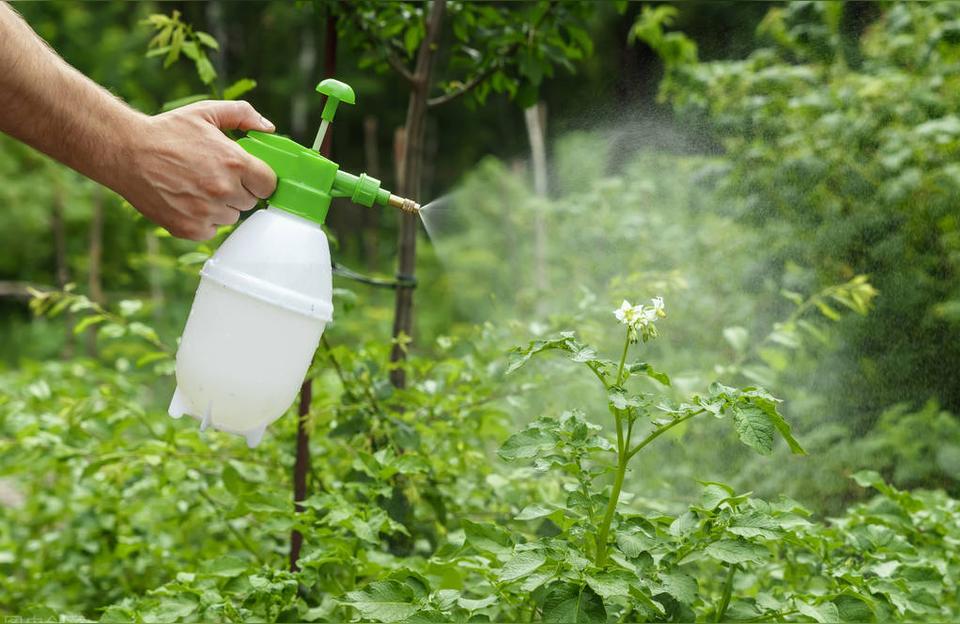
(748, 171)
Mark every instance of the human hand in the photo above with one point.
(188, 177)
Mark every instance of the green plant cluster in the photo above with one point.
(411, 521)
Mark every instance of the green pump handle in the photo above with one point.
(306, 181)
(336, 92)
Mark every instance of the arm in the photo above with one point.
(177, 168)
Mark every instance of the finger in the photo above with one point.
(257, 177)
(226, 215)
(242, 199)
(199, 232)
(237, 115)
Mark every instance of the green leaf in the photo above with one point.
(411, 39)
(854, 608)
(737, 551)
(714, 494)
(130, 307)
(823, 612)
(868, 478)
(755, 524)
(785, 432)
(532, 512)
(754, 428)
(88, 321)
(521, 565)
(621, 401)
(207, 39)
(170, 610)
(537, 579)
(383, 601)
(487, 537)
(238, 88)
(526, 444)
(679, 585)
(521, 355)
(683, 524)
(633, 544)
(827, 311)
(737, 337)
(228, 567)
(573, 604)
(471, 604)
(205, 70)
(190, 99)
(643, 368)
(610, 584)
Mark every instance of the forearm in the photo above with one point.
(49, 105)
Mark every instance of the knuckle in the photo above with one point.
(235, 162)
(219, 188)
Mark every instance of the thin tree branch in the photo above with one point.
(399, 67)
(469, 86)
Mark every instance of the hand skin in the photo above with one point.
(176, 168)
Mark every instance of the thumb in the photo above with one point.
(238, 115)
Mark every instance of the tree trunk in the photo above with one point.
(371, 218)
(535, 118)
(61, 267)
(300, 104)
(409, 186)
(215, 21)
(94, 277)
(301, 466)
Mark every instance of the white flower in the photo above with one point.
(658, 307)
(640, 319)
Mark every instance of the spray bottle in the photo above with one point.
(265, 296)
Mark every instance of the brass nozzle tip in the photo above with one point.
(404, 204)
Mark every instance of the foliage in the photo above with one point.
(410, 521)
(174, 38)
(847, 159)
(494, 49)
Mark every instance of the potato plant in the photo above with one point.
(412, 519)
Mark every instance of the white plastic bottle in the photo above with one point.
(265, 296)
(262, 304)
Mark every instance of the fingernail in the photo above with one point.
(266, 124)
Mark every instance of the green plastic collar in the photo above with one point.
(304, 177)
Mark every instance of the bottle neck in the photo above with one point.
(286, 214)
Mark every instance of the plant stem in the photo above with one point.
(617, 417)
(727, 591)
(659, 432)
(604, 533)
(237, 534)
(623, 358)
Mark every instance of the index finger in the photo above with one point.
(257, 177)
